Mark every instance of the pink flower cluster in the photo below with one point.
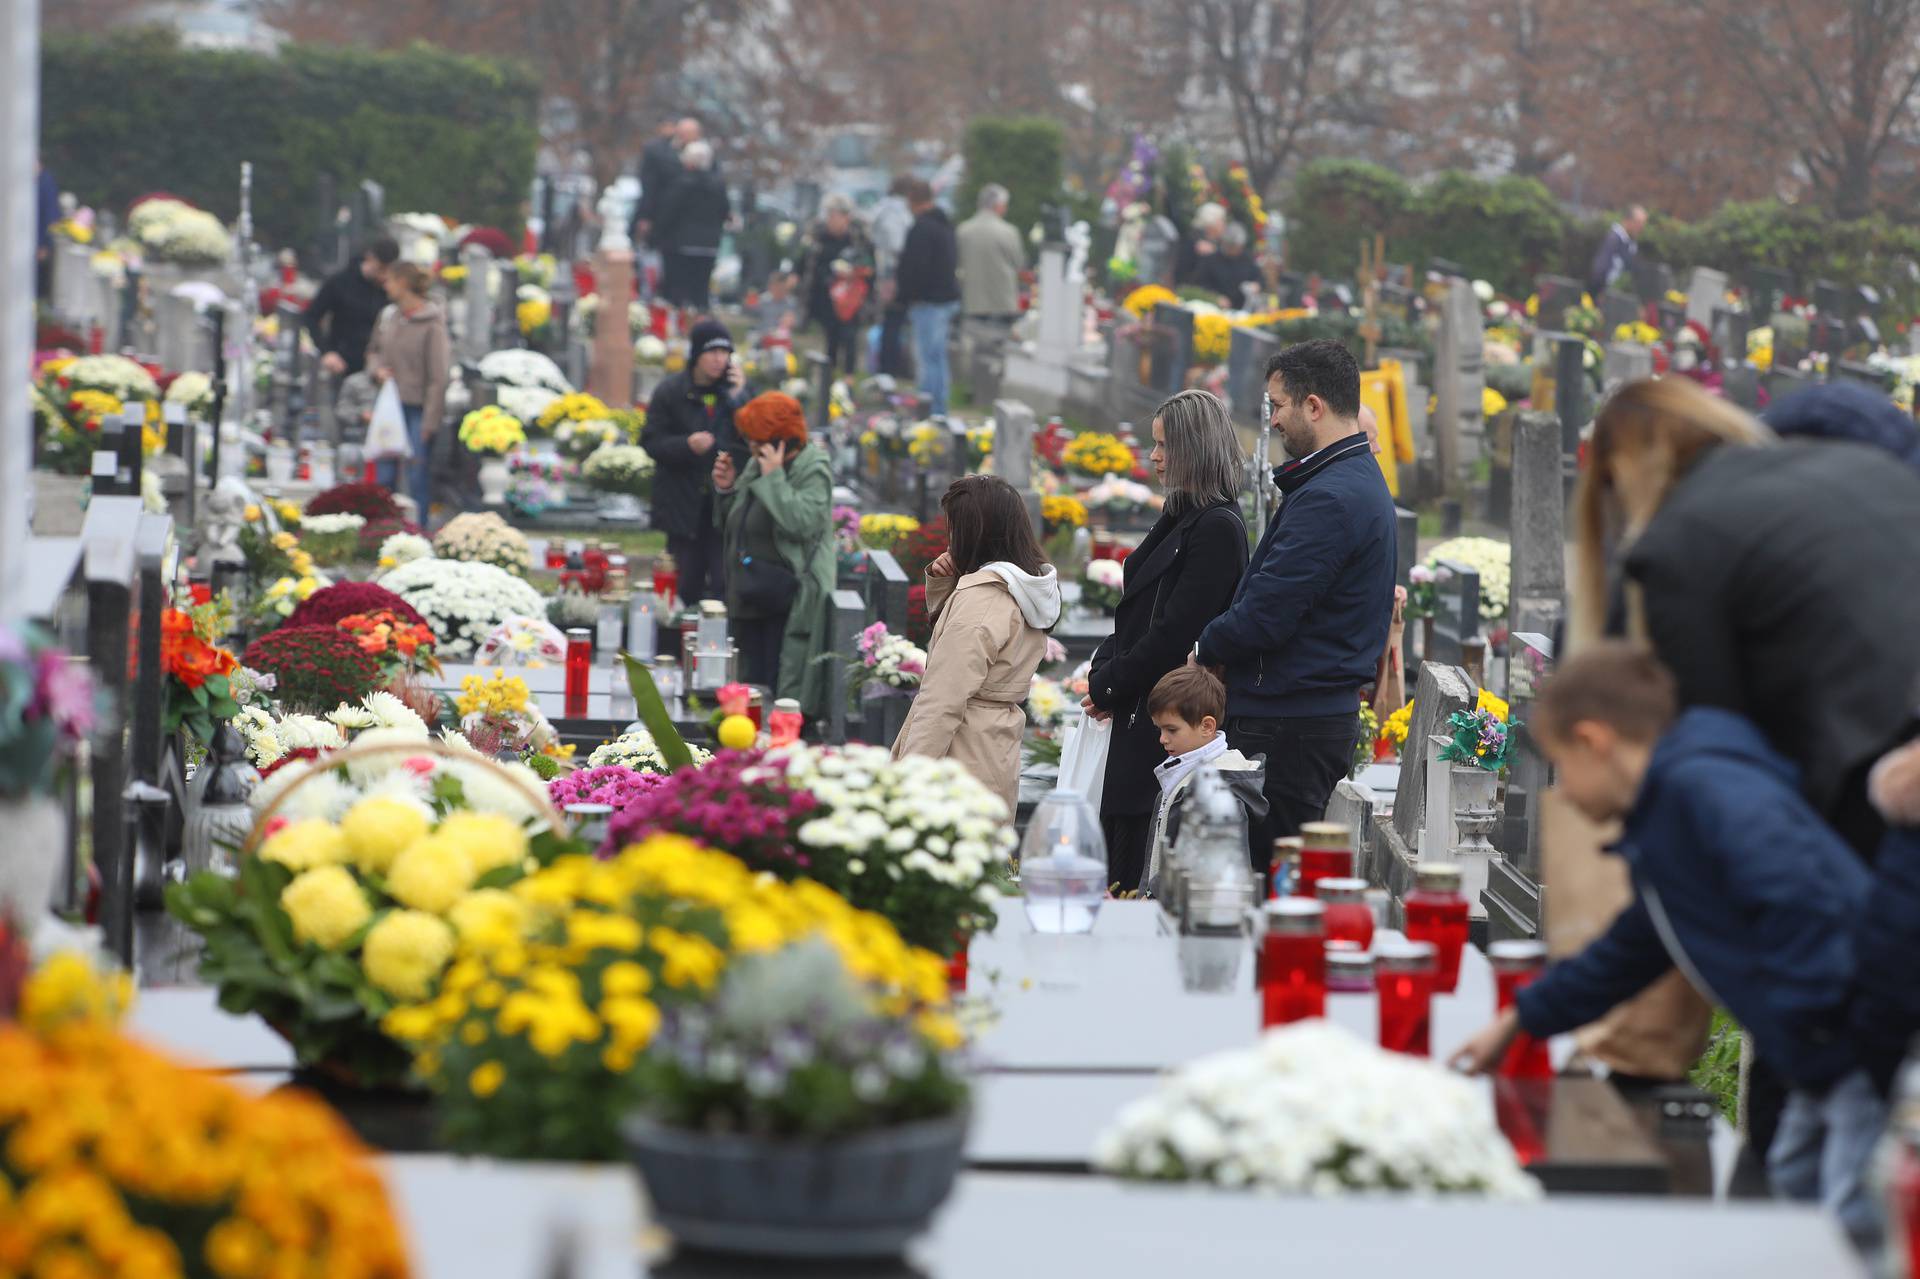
(735, 803)
(615, 785)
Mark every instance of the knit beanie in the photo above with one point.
(706, 336)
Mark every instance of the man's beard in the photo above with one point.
(1296, 438)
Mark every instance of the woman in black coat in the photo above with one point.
(1176, 581)
(692, 217)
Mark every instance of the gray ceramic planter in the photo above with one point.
(863, 1196)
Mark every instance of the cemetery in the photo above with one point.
(407, 887)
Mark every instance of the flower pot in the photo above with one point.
(1476, 806)
(861, 1196)
(494, 478)
(397, 1120)
(36, 829)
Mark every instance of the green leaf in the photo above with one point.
(653, 713)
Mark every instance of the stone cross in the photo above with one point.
(1539, 532)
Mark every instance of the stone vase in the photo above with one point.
(494, 479)
(36, 829)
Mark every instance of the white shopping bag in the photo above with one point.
(387, 431)
(1083, 758)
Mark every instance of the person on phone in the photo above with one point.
(410, 346)
(777, 517)
(992, 598)
(689, 417)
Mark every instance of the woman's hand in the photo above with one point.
(1094, 712)
(723, 473)
(942, 567)
(381, 374)
(771, 457)
(1894, 786)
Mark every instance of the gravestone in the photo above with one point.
(1247, 358)
(1627, 362)
(1441, 692)
(1013, 451)
(1172, 347)
(1158, 243)
(1572, 393)
(1351, 805)
(1616, 309)
(1512, 896)
(1791, 334)
(1741, 384)
(1061, 293)
(1651, 280)
(887, 588)
(611, 376)
(1781, 383)
(1765, 287)
(1406, 553)
(476, 329)
(1539, 535)
(1459, 384)
(1729, 333)
(849, 618)
(1438, 831)
(1706, 291)
(1499, 495)
(1456, 619)
(1557, 294)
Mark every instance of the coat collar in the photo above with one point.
(1294, 475)
(1162, 556)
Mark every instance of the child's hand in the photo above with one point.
(1894, 786)
(1483, 1052)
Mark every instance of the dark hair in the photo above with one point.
(384, 250)
(1322, 367)
(989, 523)
(1613, 682)
(916, 191)
(901, 185)
(1191, 692)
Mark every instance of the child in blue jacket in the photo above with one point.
(1737, 883)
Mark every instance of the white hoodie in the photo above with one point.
(1037, 596)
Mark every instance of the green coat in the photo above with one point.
(799, 497)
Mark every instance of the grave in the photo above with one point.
(1013, 452)
(1051, 369)
(1765, 287)
(1395, 839)
(476, 310)
(1456, 619)
(612, 367)
(1557, 294)
(1616, 309)
(1627, 362)
(1512, 896)
(1706, 292)
(1538, 524)
(1172, 348)
(1459, 385)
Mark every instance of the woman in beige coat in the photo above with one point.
(993, 598)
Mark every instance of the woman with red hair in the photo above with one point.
(777, 517)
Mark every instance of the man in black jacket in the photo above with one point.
(342, 313)
(659, 167)
(690, 223)
(1309, 622)
(927, 283)
(691, 415)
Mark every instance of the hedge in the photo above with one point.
(1509, 230)
(1021, 153)
(129, 114)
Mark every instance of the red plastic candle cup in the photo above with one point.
(1436, 911)
(1403, 974)
(579, 662)
(1515, 966)
(556, 554)
(1284, 869)
(1293, 961)
(1903, 1196)
(1326, 852)
(1349, 918)
(756, 708)
(785, 723)
(957, 970)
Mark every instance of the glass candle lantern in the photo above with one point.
(756, 709)
(666, 579)
(1436, 912)
(670, 679)
(579, 663)
(1403, 974)
(1348, 916)
(1349, 969)
(556, 554)
(1293, 961)
(1285, 869)
(590, 822)
(1326, 852)
(1515, 966)
(785, 723)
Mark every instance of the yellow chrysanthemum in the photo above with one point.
(405, 952)
(67, 987)
(326, 906)
(380, 828)
(304, 845)
(431, 874)
(490, 840)
(488, 914)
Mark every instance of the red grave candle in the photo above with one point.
(1326, 852)
(1516, 964)
(785, 723)
(1284, 869)
(1436, 912)
(1403, 974)
(579, 661)
(1349, 918)
(1903, 1196)
(1293, 961)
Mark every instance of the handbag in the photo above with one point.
(849, 294)
(763, 586)
(387, 430)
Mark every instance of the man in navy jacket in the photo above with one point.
(1308, 624)
(1738, 883)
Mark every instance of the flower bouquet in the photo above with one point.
(371, 502)
(1312, 1109)
(491, 430)
(331, 539)
(733, 801)
(532, 642)
(620, 468)
(497, 714)
(1491, 559)
(980, 446)
(892, 660)
(401, 647)
(884, 436)
(1062, 512)
(1095, 454)
(1102, 585)
(482, 537)
(463, 602)
(193, 391)
(575, 407)
(614, 785)
(365, 866)
(121, 1161)
(637, 750)
(48, 707)
(531, 1043)
(170, 230)
(883, 532)
(537, 484)
(649, 352)
(197, 673)
(1478, 738)
(1123, 497)
(283, 596)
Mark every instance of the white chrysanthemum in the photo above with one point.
(390, 712)
(405, 548)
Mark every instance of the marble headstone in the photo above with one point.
(1441, 691)
(1539, 530)
(1705, 291)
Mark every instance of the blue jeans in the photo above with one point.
(1824, 1148)
(931, 321)
(419, 477)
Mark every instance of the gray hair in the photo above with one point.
(992, 196)
(1234, 237)
(836, 203)
(1204, 462)
(697, 155)
(1210, 214)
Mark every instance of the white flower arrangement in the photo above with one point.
(525, 402)
(332, 525)
(532, 293)
(195, 391)
(483, 537)
(638, 751)
(1046, 702)
(418, 224)
(1313, 1109)
(532, 642)
(378, 709)
(1118, 494)
(650, 350)
(524, 368)
(462, 600)
(419, 779)
(1110, 574)
(892, 659)
(404, 548)
(1483, 290)
(115, 374)
(929, 817)
(271, 740)
(619, 468)
(174, 231)
(582, 439)
(1491, 559)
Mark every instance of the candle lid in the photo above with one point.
(1286, 846)
(580, 633)
(1405, 957)
(1346, 959)
(1518, 954)
(1295, 915)
(589, 811)
(1326, 835)
(787, 706)
(1438, 877)
(1335, 889)
(664, 660)
(713, 608)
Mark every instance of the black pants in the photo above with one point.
(1306, 758)
(758, 639)
(697, 560)
(843, 343)
(1126, 836)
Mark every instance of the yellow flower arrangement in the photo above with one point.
(1140, 303)
(491, 430)
(455, 274)
(1396, 725)
(1096, 453)
(380, 828)
(548, 1002)
(78, 232)
(533, 314)
(95, 405)
(1063, 512)
(497, 694)
(118, 1161)
(406, 951)
(1676, 297)
(1212, 337)
(1637, 331)
(326, 906)
(884, 530)
(924, 441)
(1492, 403)
(577, 407)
